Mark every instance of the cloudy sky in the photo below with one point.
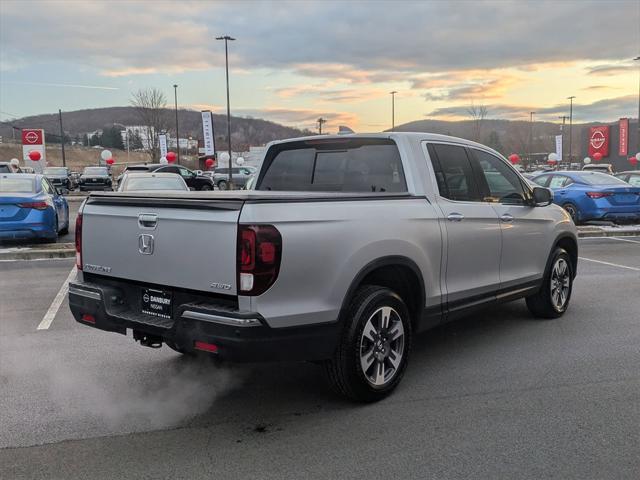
(295, 61)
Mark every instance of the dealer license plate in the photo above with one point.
(156, 303)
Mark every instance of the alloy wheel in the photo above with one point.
(382, 346)
(560, 284)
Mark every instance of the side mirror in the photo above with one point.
(542, 196)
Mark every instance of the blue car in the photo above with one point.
(593, 195)
(31, 208)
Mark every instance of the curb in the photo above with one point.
(597, 233)
(59, 250)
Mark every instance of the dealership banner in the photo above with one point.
(599, 140)
(162, 139)
(623, 150)
(559, 147)
(33, 140)
(207, 132)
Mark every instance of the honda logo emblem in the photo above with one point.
(145, 244)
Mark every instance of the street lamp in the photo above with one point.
(175, 96)
(321, 121)
(638, 124)
(530, 134)
(393, 110)
(570, 126)
(227, 39)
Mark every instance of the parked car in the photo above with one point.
(8, 167)
(145, 182)
(95, 178)
(589, 195)
(632, 177)
(191, 178)
(60, 177)
(347, 247)
(240, 175)
(30, 207)
(599, 167)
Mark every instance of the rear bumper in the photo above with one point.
(37, 224)
(238, 336)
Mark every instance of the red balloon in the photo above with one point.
(597, 156)
(35, 155)
(209, 162)
(551, 161)
(633, 161)
(171, 157)
(110, 161)
(514, 158)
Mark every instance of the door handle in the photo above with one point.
(147, 221)
(507, 217)
(455, 217)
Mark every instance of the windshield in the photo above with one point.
(596, 178)
(55, 171)
(17, 185)
(154, 183)
(96, 171)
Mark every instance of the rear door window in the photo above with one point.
(453, 172)
(501, 183)
(350, 165)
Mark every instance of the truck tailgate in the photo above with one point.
(167, 242)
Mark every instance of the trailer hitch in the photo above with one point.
(146, 340)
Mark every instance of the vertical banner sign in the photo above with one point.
(162, 138)
(559, 147)
(599, 140)
(207, 132)
(623, 127)
(33, 139)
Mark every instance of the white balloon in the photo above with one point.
(240, 160)
(553, 157)
(163, 160)
(587, 160)
(15, 162)
(638, 156)
(224, 157)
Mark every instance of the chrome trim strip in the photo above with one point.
(207, 317)
(85, 293)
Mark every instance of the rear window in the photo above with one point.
(5, 169)
(595, 178)
(17, 185)
(154, 183)
(350, 165)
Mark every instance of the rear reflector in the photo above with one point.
(205, 347)
(88, 318)
(79, 241)
(599, 194)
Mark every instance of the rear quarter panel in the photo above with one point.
(327, 243)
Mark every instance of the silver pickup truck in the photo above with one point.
(348, 246)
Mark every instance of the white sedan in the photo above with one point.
(144, 182)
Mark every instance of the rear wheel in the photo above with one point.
(552, 300)
(223, 185)
(374, 349)
(572, 210)
(206, 187)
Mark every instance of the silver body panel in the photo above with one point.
(328, 239)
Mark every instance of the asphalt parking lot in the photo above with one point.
(500, 395)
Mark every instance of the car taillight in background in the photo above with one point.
(79, 241)
(599, 194)
(34, 205)
(258, 258)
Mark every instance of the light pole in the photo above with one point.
(227, 39)
(393, 110)
(175, 96)
(64, 160)
(321, 121)
(638, 124)
(570, 127)
(530, 135)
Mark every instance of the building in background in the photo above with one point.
(609, 142)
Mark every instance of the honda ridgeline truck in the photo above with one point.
(348, 246)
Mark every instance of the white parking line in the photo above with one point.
(610, 264)
(55, 305)
(624, 240)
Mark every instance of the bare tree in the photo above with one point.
(150, 106)
(477, 114)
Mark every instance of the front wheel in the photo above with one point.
(374, 349)
(552, 300)
(572, 210)
(206, 187)
(223, 185)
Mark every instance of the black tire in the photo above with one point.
(572, 210)
(543, 304)
(344, 371)
(53, 239)
(206, 187)
(223, 185)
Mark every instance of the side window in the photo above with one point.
(168, 170)
(46, 187)
(543, 180)
(559, 181)
(503, 185)
(184, 172)
(453, 172)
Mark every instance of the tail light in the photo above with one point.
(259, 255)
(79, 241)
(34, 205)
(599, 194)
